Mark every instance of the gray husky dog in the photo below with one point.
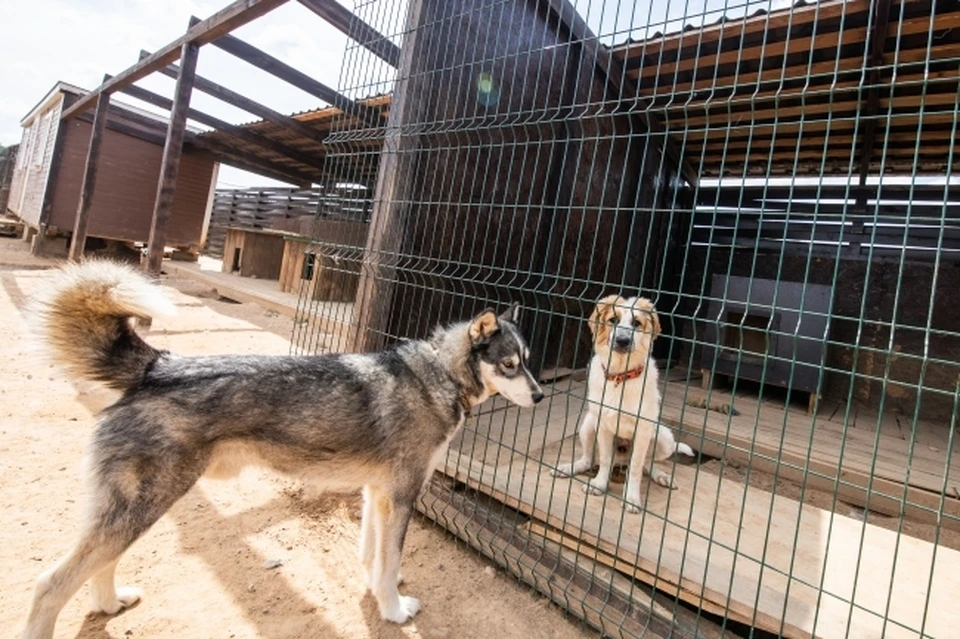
(381, 421)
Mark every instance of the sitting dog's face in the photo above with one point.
(503, 356)
(625, 326)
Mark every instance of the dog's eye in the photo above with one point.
(636, 323)
(614, 319)
(508, 364)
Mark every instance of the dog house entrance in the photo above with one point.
(766, 331)
(747, 334)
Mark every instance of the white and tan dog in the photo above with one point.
(623, 398)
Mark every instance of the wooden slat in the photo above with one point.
(224, 21)
(604, 600)
(79, 237)
(794, 18)
(170, 164)
(340, 17)
(939, 101)
(760, 558)
(227, 129)
(232, 157)
(242, 102)
(46, 206)
(772, 51)
(784, 448)
(254, 56)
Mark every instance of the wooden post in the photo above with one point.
(89, 177)
(172, 150)
(388, 220)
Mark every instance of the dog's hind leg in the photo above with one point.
(97, 552)
(124, 505)
(56, 586)
(107, 598)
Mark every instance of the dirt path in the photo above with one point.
(208, 568)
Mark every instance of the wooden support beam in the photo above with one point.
(388, 221)
(79, 237)
(870, 104)
(226, 128)
(132, 129)
(342, 18)
(250, 106)
(623, 85)
(170, 165)
(229, 155)
(264, 61)
(202, 32)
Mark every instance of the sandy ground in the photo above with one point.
(250, 557)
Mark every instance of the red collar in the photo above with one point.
(619, 378)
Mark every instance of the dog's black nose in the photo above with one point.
(622, 341)
(537, 397)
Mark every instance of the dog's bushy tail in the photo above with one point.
(84, 317)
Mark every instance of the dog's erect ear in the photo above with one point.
(484, 325)
(598, 322)
(512, 314)
(647, 306)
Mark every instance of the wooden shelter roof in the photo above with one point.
(351, 157)
(811, 89)
(823, 88)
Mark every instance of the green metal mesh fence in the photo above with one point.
(781, 181)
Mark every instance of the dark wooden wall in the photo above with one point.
(127, 186)
(527, 192)
(892, 339)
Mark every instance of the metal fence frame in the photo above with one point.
(535, 152)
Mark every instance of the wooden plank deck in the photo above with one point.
(878, 462)
(759, 558)
(882, 465)
(731, 549)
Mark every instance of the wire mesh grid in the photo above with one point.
(780, 180)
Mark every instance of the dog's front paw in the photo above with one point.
(126, 597)
(403, 611)
(663, 479)
(561, 471)
(595, 488)
(634, 502)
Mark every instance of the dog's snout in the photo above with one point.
(537, 396)
(623, 341)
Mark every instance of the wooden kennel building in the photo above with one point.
(49, 173)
